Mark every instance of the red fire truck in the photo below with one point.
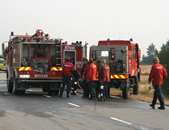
(123, 59)
(36, 61)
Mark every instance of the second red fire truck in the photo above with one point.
(122, 56)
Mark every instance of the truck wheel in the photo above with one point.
(22, 92)
(16, 92)
(126, 91)
(45, 90)
(9, 86)
(56, 92)
(50, 92)
(136, 86)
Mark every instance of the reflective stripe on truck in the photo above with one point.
(24, 68)
(117, 76)
(56, 68)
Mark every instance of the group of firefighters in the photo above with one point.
(89, 75)
(92, 88)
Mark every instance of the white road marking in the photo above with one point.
(29, 90)
(121, 121)
(73, 104)
(47, 96)
(114, 96)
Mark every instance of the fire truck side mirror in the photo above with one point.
(122, 51)
(139, 53)
(93, 55)
(2, 46)
(6, 50)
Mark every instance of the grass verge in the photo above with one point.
(144, 94)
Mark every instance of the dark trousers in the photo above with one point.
(157, 94)
(91, 89)
(85, 88)
(66, 80)
(97, 89)
(106, 89)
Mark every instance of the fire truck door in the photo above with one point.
(72, 55)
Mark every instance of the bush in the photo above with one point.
(163, 56)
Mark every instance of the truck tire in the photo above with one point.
(126, 91)
(9, 86)
(22, 92)
(45, 90)
(56, 92)
(50, 92)
(136, 86)
(16, 92)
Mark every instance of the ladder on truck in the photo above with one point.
(58, 53)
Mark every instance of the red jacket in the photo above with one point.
(157, 74)
(92, 73)
(102, 74)
(85, 71)
(107, 73)
(67, 69)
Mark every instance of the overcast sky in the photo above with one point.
(146, 21)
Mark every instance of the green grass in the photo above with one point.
(146, 91)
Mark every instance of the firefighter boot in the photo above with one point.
(101, 98)
(73, 93)
(90, 98)
(67, 94)
(152, 105)
(161, 107)
(104, 98)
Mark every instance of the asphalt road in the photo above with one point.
(37, 111)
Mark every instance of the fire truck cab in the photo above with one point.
(123, 60)
(36, 61)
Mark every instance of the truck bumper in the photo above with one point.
(3, 69)
(44, 84)
(39, 81)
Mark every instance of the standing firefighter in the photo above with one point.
(84, 78)
(67, 70)
(157, 75)
(102, 79)
(92, 73)
(106, 86)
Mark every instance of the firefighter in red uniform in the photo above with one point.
(91, 76)
(106, 86)
(101, 79)
(84, 78)
(157, 75)
(67, 70)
